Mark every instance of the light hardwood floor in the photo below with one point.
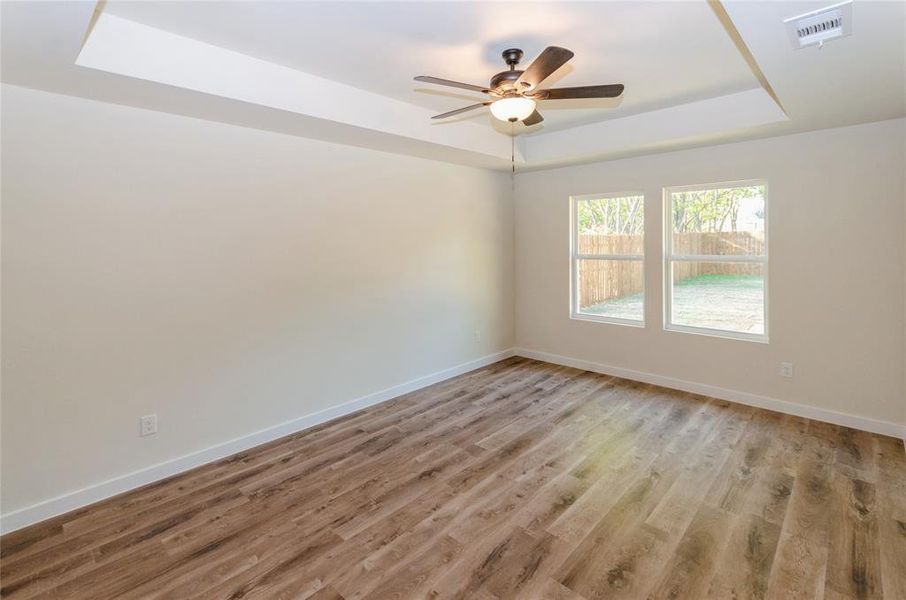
(519, 480)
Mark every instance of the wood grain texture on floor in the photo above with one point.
(519, 480)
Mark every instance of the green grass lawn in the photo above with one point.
(733, 302)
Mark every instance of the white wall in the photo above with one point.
(836, 273)
(226, 279)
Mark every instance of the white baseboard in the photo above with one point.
(782, 406)
(123, 483)
(72, 500)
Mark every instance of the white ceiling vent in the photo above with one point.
(819, 26)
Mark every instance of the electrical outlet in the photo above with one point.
(147, 425)
(786, 369)
(478, 336)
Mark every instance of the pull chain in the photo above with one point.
(513, 158)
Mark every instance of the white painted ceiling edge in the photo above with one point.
(117, 45)
(123, 47)
(733, 111)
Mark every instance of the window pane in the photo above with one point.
(611, 288)
(728, 221)
(726, 296)
(610, 225)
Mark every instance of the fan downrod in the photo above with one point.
(505, 81)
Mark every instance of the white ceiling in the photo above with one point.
(342, 71)
(854, 79)
(666, 53)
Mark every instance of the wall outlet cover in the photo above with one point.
(148, 425)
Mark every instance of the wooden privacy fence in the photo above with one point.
(601, 280)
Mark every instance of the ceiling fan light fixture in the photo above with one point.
(514, 108)
(506, 92)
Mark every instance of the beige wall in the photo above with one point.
(227, 279)
(836, 210)
(230, 279)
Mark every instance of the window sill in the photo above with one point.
(608, 320)
(760, 338)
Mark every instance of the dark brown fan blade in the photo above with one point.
(460, 110)
(542, 67)
(588, 91)
(533, 119)
(447, 82)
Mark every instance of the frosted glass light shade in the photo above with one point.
(516, 107)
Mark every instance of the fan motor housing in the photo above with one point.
(505, 80)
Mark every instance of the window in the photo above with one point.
(608, 239)
(716, 260)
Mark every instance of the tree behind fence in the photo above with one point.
(602, 280)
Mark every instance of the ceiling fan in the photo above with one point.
(515, 92)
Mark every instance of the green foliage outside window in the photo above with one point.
(614, 216)
(713, 210)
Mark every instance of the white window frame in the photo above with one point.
(575, 257)
(670, 258)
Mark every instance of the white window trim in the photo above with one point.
(670, 258)
(574, 257)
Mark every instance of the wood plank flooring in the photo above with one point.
(519, 480)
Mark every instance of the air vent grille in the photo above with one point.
(834, 23)
(819, 26)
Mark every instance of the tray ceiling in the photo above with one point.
(342, 71)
